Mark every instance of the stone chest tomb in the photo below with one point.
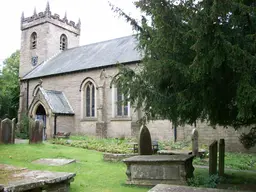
(154, 169)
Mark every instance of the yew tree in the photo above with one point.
(198, 62)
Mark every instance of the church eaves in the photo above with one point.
(107, 53)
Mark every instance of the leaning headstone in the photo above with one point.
(221, 157)
(213, 150)
(195, 142)
(145, 145)
(6, 132)
(13, 129)
(35, 131)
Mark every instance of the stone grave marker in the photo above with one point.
(195, 142)
(13, 129)
(6, 132)
(221, 157)
(213, 150)
(145, 144)
(35, 131)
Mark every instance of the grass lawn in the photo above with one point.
(93, 174)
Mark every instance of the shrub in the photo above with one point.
(23, 127)
(93, 143)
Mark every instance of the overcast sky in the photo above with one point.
(99, 23)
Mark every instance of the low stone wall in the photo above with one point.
(153, 169)
(116, 157)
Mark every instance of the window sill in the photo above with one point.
(121, 119)
(89, 119)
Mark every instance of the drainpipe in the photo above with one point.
(27, 96)
(55, 125)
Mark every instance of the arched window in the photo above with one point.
(89, 100)
(63, 42)
(33, 40)
(119, 107)
(122, 108)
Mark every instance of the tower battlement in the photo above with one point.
(47, 16)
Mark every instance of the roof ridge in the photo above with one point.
(99, 42)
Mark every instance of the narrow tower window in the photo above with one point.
(33, 40)
(63, 42)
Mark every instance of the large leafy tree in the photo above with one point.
(9, 87)
(199, 62)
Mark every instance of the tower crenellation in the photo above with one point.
(44, 35)
(47, 16)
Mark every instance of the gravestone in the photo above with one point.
(35, 131)
(195, 142)
(145, 144)
(13, 129)
(221, 157)
(213, 150)
(6, 134)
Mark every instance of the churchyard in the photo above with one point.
(89, 170)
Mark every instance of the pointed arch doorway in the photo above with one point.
(41, 115)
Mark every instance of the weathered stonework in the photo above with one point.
(101, 129)
(35, 181)
(153, 169)
(116, 157)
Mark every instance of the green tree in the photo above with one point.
(199, 62)
(9, 86)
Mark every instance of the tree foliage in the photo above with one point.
(199, 61)
(9, 87)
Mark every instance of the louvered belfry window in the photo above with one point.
(63, 42)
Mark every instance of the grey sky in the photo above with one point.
(98, 20)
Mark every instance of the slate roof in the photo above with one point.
(57, 101)
(106, 53)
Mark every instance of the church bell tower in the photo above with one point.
(44, 35)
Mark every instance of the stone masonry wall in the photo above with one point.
(207, 134)
(48, 44)
(65, 123)
(116, 127)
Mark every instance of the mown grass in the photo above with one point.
(93, 174)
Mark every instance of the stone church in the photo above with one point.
(69, 86)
